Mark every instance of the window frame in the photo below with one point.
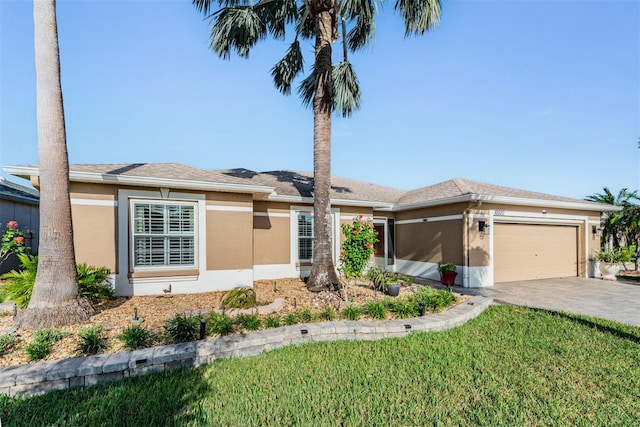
(295, 239)
(166, 235)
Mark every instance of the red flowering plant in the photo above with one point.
(357, 248)
(12, 241)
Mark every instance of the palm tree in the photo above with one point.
(613, 223)
(55, 300)
(239, 24)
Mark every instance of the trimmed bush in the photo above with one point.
(135, 337)
(91, 340)
(7, 343)
(43, 340)
(290, 319)
(272, 321)
(328, 314)
(183, 328)
(351, 312)
(219, 324)
(375, 310)
(250, 322)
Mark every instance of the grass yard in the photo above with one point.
(510, 366)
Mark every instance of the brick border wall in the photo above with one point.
(42, 377)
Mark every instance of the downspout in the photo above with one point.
(466, 243)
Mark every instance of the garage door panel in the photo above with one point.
(527, 251)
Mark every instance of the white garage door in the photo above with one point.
(527, 251)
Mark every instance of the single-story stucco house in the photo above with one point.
(200, 230)
(19, 203)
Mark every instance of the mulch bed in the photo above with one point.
(115, 315)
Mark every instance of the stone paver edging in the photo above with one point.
(42, 377)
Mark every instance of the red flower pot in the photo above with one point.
(448, 277)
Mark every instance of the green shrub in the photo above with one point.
(250, 322)
(7, 343)
(328, 314)
(19, 284)
(401, 307)
(272, 321)
(351, 312)
(381, 278)
(220, 324)
(290, 319)
(93, 282)
(433, 299)
(241, 297)
(375, 310)
(306, 316)
(37, 350)
(43, 340)
(183, 328)
(135, 337)
(91, 340)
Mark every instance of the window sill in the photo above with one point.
(163, 273)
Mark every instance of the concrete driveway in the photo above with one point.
(594, 297)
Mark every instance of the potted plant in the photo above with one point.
(387, 281)
(448, 273)
(593, 267)
(610, 261)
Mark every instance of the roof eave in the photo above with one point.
(260, 191)
(506, 200)
(335, 202)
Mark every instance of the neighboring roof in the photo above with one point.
(465, 190)
(173, 175)
(15, 192)
(298, 186)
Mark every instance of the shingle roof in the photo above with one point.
(157, 170)
(12, 191)
(459, 187)
(300, 184)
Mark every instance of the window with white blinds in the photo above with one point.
(164, 234)
(305, 236)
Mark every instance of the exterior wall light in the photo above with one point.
(483, 227)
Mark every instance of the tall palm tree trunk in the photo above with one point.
(323, 274)
(54, 301)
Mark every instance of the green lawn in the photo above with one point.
(510, 366)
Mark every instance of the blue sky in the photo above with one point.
(539, 95)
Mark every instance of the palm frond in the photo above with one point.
(277, 14)
(346, 89)
(362, 33)
(288, 68)
(419, 15)
(237, 28)
(206, 6)
(307, 89)
(305, 27)
(362, 14)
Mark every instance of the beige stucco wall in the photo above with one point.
(229, 236)
(95, 235)
(439, 241)
(271, 233)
